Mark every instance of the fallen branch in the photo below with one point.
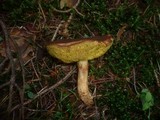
(22, 89)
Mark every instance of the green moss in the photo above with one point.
(121, 105)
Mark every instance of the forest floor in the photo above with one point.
(125, 81)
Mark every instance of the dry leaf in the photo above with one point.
(20, 36)
(67, 3)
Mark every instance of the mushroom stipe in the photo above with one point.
(80, 51)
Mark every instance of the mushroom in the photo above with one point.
(80, 51)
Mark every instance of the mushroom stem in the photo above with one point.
(83, 89)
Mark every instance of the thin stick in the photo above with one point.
(60, 25)
(78, 12)
(34, 69)
(89, 30)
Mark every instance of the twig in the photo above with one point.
(29, 60)
(65, 27)
(2, 64)
(21, 91)
(87, 3)
(10, 57)
(89, 30)
(34, 69)
(78, 12)
(48, 90)
(55, 33)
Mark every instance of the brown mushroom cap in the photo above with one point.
(80, 49)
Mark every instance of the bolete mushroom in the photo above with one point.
(80, 51)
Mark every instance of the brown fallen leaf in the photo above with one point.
(20, 38)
